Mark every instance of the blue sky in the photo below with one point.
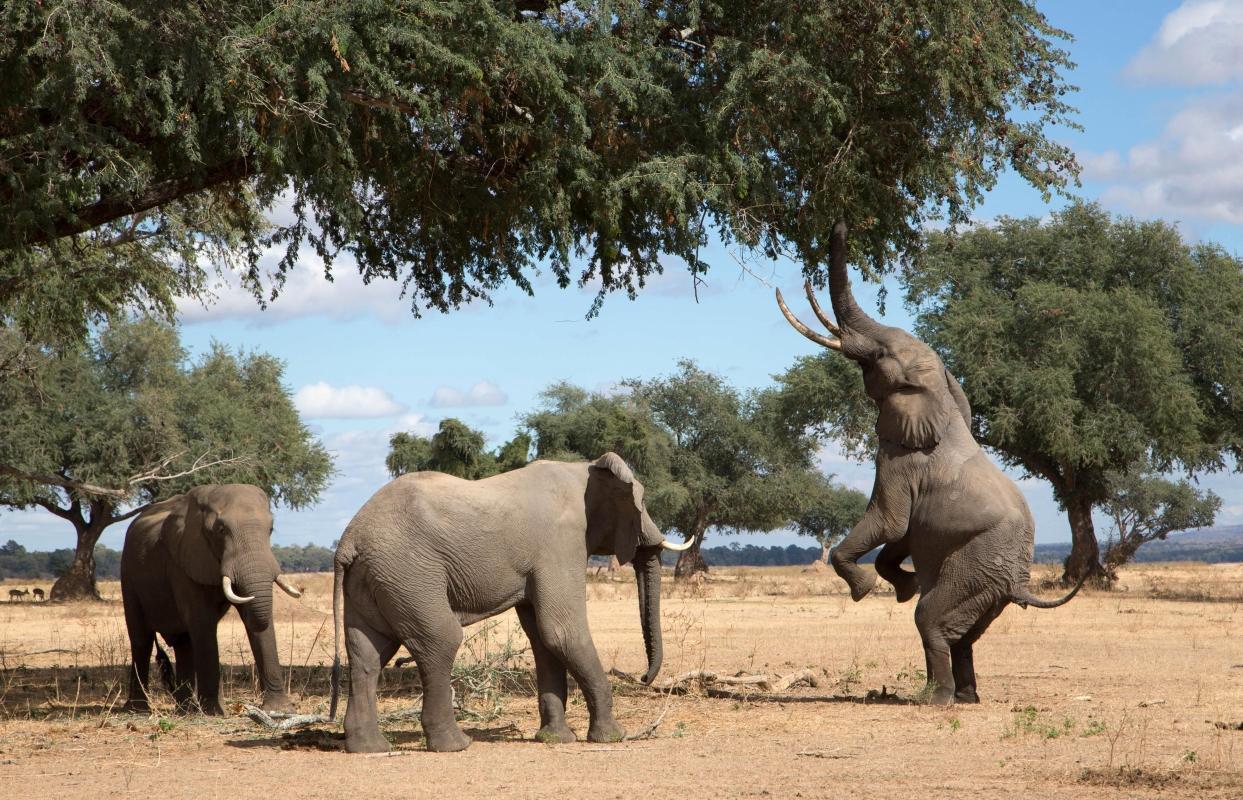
(1161, 103)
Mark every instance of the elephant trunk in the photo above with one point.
(252, 570)
(847, 311)
(647, 576)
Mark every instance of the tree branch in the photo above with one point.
(153, 473)
(157, 194)
(81, 487)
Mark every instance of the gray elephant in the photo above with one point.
(937, 497)
(430, 553)
(186, 560)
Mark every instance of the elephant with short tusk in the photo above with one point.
(430, 553)
(937, 497)
(185, 562)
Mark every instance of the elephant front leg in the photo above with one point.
(207, 673)
(550, 676)
(271, 676)
(566, 635)
(889, 566)
(885, 522)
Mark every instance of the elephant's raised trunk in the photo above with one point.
(647, 576)
(847, 311)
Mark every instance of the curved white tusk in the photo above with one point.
(677, 548)
(290, 589)
(228, 592)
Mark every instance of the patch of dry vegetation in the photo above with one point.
(1114, 695)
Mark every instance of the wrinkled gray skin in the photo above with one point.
(936, 498)
(175, 556)
(430, 553)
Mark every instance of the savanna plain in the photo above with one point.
(1134, 693)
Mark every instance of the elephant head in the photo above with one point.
(618, 524)
(223, 539)
(915, 394)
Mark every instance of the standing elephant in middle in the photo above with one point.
(430, 553)
(937, 497)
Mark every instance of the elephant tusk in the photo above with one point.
(677, 548)
(819, 339)
(228, 592)
(290, 589)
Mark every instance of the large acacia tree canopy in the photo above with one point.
(454, 145)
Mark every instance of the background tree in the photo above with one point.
(122, 421)
(829, 512)
(705, 452)
(455, 449)
(623, 130)
(1146, 507)
(1091, 349)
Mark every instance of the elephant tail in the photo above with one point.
(338, 630)
(1024, 598)
(166, 667)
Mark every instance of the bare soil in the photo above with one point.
(1115, 695)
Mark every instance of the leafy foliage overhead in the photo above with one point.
(454, 145)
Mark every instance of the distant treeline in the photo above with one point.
(1218, 552)
(18, 562)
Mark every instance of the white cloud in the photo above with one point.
(1193, 168)
(306, 292)
(1199, 43)
(345, 402)
(483, 393)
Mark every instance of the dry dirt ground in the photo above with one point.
(1115, 695)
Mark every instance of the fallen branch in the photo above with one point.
(283, 722)
(752, 696)
(802, 677)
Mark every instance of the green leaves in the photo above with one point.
(127, 414)
(457, 146)
(455, 449)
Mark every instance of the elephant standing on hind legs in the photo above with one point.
(185, 562)
(936, 497)
(430, 553)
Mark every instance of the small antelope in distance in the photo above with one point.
(38, 593)
(17, 594)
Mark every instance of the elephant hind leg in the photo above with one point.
(964, 659)
(550, 677)
(936, 650)
(434, 641)
(369, 650)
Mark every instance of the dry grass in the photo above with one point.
(1112, 696)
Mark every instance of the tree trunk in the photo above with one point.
(1085, 553)
(691, 561)
(825, 547)
(78, 582)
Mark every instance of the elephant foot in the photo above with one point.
(967, 695)
(605, 731)
(861, 586)
(447, 741)
(556, 734)
(280, 703)
(906, 587)
(366, 742)
(211, 707)
(136, 707)
(941, 696)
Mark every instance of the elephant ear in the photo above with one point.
(916, 415)
(960, 399)
(185, 535)
(627, 506)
